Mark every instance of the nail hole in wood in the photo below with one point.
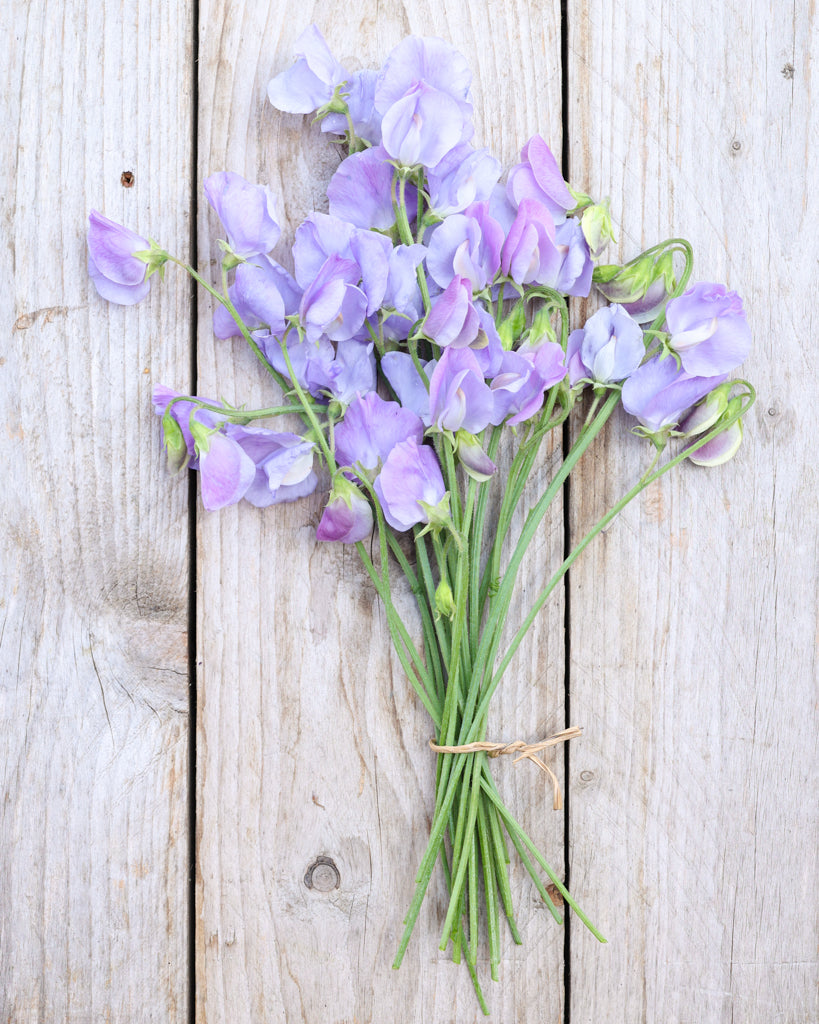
(126, 179)
(322, 875)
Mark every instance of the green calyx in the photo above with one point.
(154, 258)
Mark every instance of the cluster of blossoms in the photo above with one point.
(426, 311)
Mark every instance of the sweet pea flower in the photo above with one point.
(118, 275)
(312, 80)
(421, 127)
(464, 176)
(708, 329)
(362, 190)
(467, 245)
(403, 293)
(263, 294)
(538, 177)
(283, 464)
(321, 236)
(519, 388)
(659, 393)
(430, 60)
(529, 254)
(453, 318)
(333, 305)
(720, 448)
(410, 487)
(338, 370)
(247, 211)
(347, 517)
(608, 349)
(226, 471)
(574, 276)
(371, 428)
(459, 398)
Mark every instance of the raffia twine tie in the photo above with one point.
(524, 751)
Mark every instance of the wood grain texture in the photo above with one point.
(310, 742)
(93, 603)
(694, 628)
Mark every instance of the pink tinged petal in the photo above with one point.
(473, 458)
(719, 450)
(346, 522)
(453, 319)
(226, 472)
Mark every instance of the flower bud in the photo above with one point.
(175, 447)
(512, 326)
(709, 410)
(597, 228)
(472, 457)
(722, 448)
(641, 286)
(445, 600)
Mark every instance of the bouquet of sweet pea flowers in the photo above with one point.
(424, 329)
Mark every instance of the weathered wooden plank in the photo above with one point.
(93, 698)
(310, 743)
(694, 619)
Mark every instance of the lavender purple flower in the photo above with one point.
(119, 275)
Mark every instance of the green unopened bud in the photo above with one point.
(597, 227)
(201, 434)
(175, 447)
(624, 284)
(512, 326)
(541, 329)
(445, 600)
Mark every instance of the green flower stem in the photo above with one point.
(307, 406)
(490, 895)
(428, 628)
(405, 234)
(460, 862)
(501, 857)
(499, 604)
(515, 831)
(439, 824)
(234, 414)
(472, 889)
(422, 559)
(646, 480)
(406, 651)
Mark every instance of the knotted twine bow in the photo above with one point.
(528, 751)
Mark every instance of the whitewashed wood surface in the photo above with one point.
(693, 622)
